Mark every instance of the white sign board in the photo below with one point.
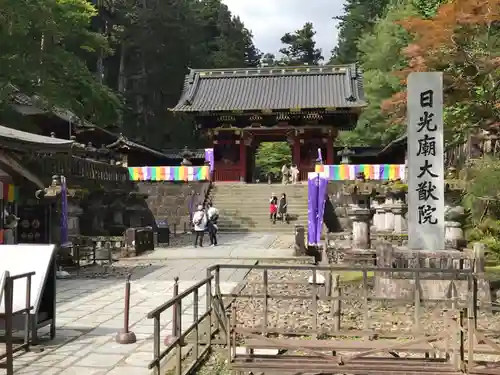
(425, 161)
(19, 259)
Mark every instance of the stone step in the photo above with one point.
(253, 206)
(241, 212)
(277, 228)
(257, 223)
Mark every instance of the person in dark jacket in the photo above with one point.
(282, 208)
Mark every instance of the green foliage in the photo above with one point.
(269, 59)
(270, 157)
(43, 44)
(482, 201)
(379, 57)
(358, 19)
(301, 47)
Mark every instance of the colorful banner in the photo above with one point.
(209, 155)
(312, 208)
(9, 192)
(201, 173)
(344, 172)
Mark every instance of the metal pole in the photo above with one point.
(169, 339)
(125, 336)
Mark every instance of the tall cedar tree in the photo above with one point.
(44, 44)
(463, 41)
(301, 47)
(359, 18)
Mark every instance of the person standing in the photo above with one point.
(213, 216)
(282, 208)
(295, 174)
(285, 174)
(200, 225)
(273, 207)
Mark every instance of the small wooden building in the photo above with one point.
(305, 106)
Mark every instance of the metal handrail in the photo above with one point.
(9, 313)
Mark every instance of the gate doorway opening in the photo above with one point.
(266, 161)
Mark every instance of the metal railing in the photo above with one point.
(8, 315)
(199, 333)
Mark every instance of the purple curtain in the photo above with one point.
(209, 155)
(322, 190)
(64, 212)
(312, 209)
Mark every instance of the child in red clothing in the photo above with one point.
(273, 207)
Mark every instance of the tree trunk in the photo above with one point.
(122, 78)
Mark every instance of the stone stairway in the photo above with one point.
(245, 207)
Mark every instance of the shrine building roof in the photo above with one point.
(273, 88)
(26, 140)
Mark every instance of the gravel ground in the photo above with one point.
(118, 270)
(296, 314)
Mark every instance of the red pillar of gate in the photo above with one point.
(296, 151)
(329, 151)
(243, 161)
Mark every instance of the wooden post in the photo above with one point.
(336, 304)
(243, 161)
(265, 302)
(296, 151)
(329, 151)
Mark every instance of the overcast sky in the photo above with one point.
(270, 19)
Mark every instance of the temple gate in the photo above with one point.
(306, 106)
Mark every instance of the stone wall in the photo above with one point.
(171, 200)
(433, 284)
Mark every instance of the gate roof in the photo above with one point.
(273, 88)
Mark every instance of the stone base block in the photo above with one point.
(435, 289)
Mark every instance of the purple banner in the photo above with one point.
(64, 213)
(312, 209)
(322, 191)
(209, 156)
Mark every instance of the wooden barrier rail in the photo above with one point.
(459, 340)
(201, 348)
(10, 311)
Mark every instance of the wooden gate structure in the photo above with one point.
(459, 346)
(344, 332)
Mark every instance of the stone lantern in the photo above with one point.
(360, 212)
(187, 155)
(345, 154)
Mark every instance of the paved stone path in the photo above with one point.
(90, 311)
(231, 246)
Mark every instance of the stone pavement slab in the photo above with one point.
(90, 313)
(231, 246)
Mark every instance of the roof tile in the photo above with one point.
(271, 88)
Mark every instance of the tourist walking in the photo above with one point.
(213, 216)
(285, 174)
(282, 208)
(200, 225)
(294, 171)
(273, 207)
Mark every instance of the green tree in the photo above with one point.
(269, 59)
(271, 156)
(359, 18)
(380, 55)
(301, 47)
(43, 44)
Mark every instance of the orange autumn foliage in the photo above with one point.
(443, 42)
